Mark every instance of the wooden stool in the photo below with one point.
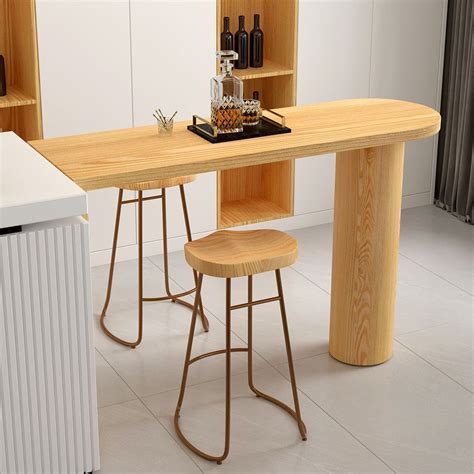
(140, 187)
(230, 254)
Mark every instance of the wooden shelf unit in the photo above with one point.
(269, 69)
(263, 192)
(20, 109)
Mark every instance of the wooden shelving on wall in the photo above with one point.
(20, 109)
(265, 192)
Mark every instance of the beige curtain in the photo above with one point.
(455, 168)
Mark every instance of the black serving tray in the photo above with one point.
(265, 128)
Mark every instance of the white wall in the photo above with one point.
(406, 63)
(174, 75)
(108, 64)
(85, 74)
(369, 48)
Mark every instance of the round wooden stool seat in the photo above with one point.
(159, 183)
(230, 253)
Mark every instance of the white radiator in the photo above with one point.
(48, 387)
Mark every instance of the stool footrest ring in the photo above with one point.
(220, 351)
(171, 296)
(258, 393)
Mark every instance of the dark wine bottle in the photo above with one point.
(3, 81)
(227, 38)
(256, 95)
(241, 45)
(256, 43)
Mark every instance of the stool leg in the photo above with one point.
(296, 414)
(188, 361)
(165, 243)
(175, 298)
(205, 322)
(135, 343)
(140, 269)
(114, 252)
(189, 348)
(301, 425)
(228, 304)
(250, 337)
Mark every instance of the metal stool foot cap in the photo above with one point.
(219, 462)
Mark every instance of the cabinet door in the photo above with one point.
(173, 44)
(333, 63)
(84, 57)
(407, 55)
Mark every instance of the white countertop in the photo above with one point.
(31, 188)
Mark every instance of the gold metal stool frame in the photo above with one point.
(296, 413)
(175, 298)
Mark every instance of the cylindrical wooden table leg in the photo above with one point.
(365, 253)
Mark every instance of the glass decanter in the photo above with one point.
(227, 96)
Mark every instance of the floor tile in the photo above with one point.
(441, 243)
(448, 347)
(263, 438)
(315, 254)
(111, 389)
(411, 414)
(133, 441)
(156, 364)
(424, 300)
(307, 310)
(405, 411)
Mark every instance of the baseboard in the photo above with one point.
(416, 200)
(102, 257)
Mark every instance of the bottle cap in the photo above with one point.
(226, 57)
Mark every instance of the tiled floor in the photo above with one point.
(411, 414)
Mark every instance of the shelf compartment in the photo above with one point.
(269, 69)
(20, 109)
(265, 192)
(249, 211)
(15, 98)
(255, 194)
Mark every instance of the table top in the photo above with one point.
(112, 158)
(31, 189)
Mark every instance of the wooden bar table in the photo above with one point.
(368, 136)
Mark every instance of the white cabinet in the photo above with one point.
(201, 202)
(84, 57)
(173, 45)
(407, 56)
(364, 48)
(47, 380)
(333, 63)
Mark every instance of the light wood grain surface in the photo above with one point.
(159, 183)
(15, 98)
(230, 253)
(107, 159)
(255, 193)
(365, 253)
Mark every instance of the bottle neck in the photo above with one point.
(256, 22)
(226, 24)
(241, 22)
(226, 67)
